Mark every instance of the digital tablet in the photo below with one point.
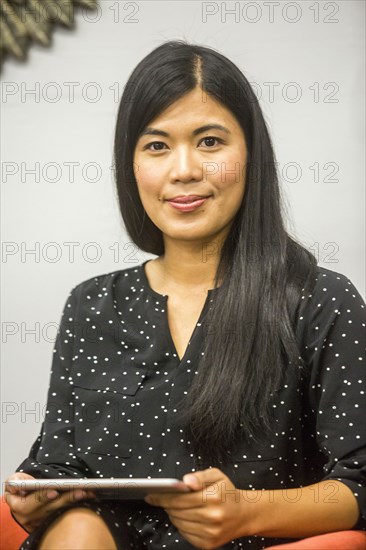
(118, 488)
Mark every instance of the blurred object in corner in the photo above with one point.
(25, 22)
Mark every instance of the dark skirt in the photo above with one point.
(137, 525)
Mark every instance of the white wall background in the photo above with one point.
(310, 54)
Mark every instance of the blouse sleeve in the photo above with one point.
(336, 357)
(53, 454)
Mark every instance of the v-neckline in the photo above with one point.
(164, 298)
(195, 328)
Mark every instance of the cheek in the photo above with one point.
(229, 173)
(148, 178)
(147, 188)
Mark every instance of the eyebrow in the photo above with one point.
(154, 132)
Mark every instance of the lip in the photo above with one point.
(188, 206)
(187, 198)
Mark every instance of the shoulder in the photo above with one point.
(103, 283)
(335, 280)
(331, 287)
(332, 301)
(333, 308)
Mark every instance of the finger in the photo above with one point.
(193, 516)
(10, 489)
(22, 504)
(37, 499)
(202, 478)
(68, 497)
(17, 476)
(191, 527)
(179, 502)
(8, 497)
(45, 499)
(44, 496)
(41, 504)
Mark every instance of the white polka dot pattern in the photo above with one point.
(116, 383)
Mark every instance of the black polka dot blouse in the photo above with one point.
(116, 383)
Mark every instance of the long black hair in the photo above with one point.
(252, 319)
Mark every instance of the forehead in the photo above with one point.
(195, 107)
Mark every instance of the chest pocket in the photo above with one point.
(104, 409)
(254, 465)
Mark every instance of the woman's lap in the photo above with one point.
(133, 526)
(106, 510)
(136, 525)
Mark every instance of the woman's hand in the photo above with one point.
(212, 515)
(31, 509)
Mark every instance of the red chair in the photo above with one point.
(12, 536)
(340, 540)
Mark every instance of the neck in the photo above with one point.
(180, 269)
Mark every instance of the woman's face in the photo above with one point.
(177, 156)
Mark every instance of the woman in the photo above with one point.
(232, 355)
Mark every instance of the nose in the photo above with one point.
(185, 167)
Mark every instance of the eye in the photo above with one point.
(212, 138)
(148, 145)
(206, 139)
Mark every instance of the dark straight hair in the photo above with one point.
(252, 321)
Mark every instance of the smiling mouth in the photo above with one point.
(184, 199)
(188, 206)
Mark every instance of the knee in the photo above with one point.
(78, 529)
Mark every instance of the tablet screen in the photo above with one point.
(118, 488)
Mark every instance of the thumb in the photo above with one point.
(17, 476)
(202, 478)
